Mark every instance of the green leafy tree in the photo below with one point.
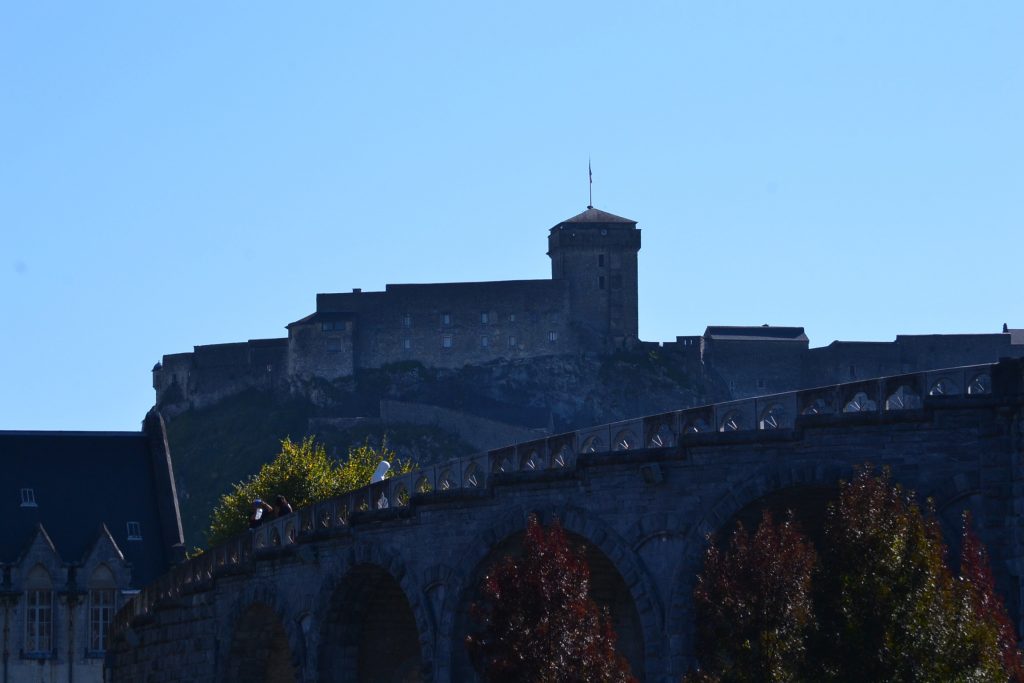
(303, 473)
(538, 622)
(889, 606)
(885, 603)
(754, 609)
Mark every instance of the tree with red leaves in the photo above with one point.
(537, 621)
(754, 608)
(980, 589)
(881, 604)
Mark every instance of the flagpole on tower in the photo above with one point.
(590, 177)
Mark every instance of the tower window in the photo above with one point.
(446, 319)
(406, 320)
(333, 326)
(485, 318)
(485, 342)
(511, 317)
(600, 282)
(407, 343)
(552, 336)
(446, 341)
(600, 260)
(28, 498)
(513, 342)
(134, 531)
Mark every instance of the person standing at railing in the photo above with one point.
(259, 513)
(281, 506)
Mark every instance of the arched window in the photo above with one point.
(38, 613)
(102, 587)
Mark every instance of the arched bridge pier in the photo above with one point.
(376, 585)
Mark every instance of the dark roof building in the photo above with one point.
(89, 518)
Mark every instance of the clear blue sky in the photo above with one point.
(185, 173)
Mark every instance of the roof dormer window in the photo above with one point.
(28, 498)
(134, 531)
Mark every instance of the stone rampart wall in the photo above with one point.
(641, 496)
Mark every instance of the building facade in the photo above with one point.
(589, 305)
(89, 519)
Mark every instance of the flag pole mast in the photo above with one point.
(590, 177)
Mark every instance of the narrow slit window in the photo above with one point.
(134, 531)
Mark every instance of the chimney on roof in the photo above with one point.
(1005, 328)
(357, 290)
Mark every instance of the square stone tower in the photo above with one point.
(596, 252)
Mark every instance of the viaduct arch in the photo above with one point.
(373, 586)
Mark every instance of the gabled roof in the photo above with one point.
(81, 480)
(762, 333)
(592, 215)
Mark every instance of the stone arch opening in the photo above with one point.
(259, 651)
(808, 504)
(607, 587)
(370, 633)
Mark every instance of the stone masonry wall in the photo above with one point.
(647, 511)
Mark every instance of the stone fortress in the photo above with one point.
(589, 306)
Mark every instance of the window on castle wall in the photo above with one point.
(407, 343)
(511, 317)
(600, 260)
(513, 342)
(406, 320)
(134, 531)
(552, 336)
(446, 341)
(334, 345)
(28, 498)
(485, 318)
(446, 319)
(38, 613)
(485, 342)
(600, 282)
(334, 326)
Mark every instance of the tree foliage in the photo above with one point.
(754, 604)
(537, 621)
(980, 592)
(304, 473)
(884, 604)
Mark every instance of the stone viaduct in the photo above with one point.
(376, 585)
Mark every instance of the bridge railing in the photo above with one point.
(560, 452)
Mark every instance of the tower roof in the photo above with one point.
(592, 215)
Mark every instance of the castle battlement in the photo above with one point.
(589, 305)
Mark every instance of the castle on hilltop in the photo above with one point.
(589, 305)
